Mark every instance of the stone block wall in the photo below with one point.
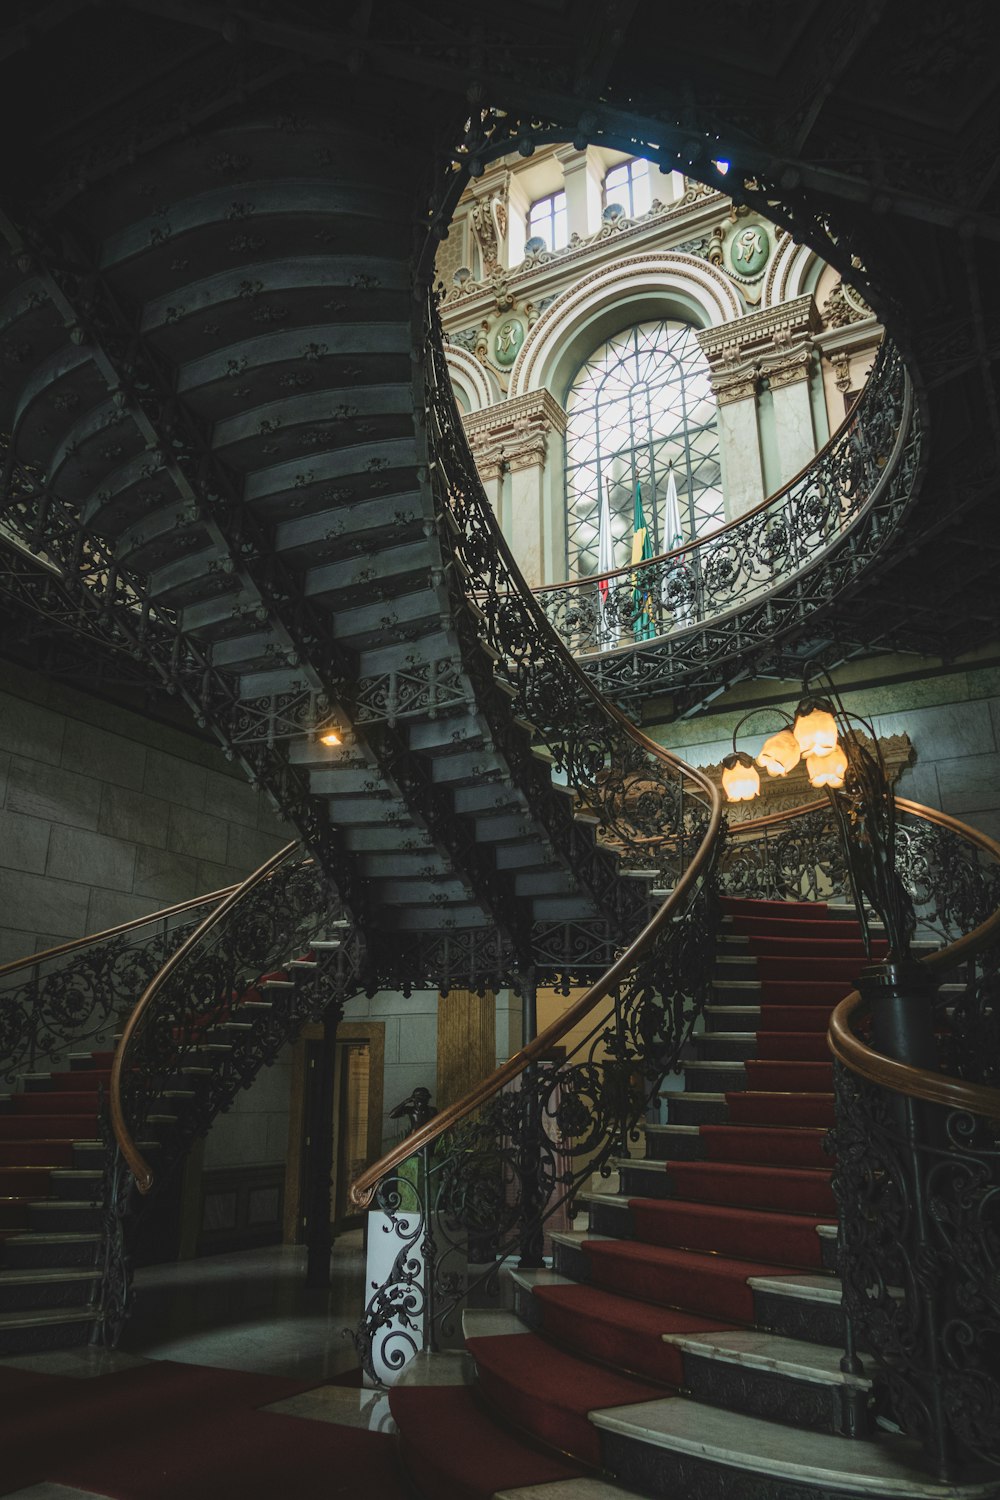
(952, 719)
(106, 816)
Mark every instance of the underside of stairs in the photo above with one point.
(689, 1341)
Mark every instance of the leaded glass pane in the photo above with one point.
(641, 406)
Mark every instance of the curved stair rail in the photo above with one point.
(758, 576)
(72, 995)
(271, 955)
(918, 1150)
(477, 1183)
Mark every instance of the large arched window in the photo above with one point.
(640, 408)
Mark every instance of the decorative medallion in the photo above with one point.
(748, 251)
(508, 336)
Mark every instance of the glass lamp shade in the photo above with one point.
(827, 770)
(740, 778)
(780, 754)
(815, 729)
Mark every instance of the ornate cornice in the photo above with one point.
(774, 343)
(514, 434)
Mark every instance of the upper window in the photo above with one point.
(547, 221)
(639, 410)
(628, 184)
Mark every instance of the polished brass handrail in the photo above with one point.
(163, 915)
(137, 1163)
(363, 1188)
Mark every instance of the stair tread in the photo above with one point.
(53, 1274)
(50, 1316)
(888, 1468)
(757, 1350)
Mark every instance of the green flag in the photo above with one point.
(644, 626)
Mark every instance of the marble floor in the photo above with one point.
(246, 1311)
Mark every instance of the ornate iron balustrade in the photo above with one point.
(750, 582)
(255, 970)
(917, 1172)
(483, 1185)
(226, 966)
(75, 994)
(647, 804)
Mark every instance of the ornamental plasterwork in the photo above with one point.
(775, 342)
(614, 227)
(845, 306)
(514, 434)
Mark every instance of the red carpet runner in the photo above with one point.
(167, 1431)
(749, 1205)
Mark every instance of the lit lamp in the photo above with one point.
(780, 754)
(740, 778)
(331, 737)
(827, 770)
(814, 727)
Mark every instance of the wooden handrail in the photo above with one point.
(110, 932)
(362, 1190)
(138, 1165)
(847, 1047)
(900, 1077)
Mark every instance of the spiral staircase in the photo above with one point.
(234, 454)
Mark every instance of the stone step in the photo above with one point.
(686, 1447)
(54, 1328)
(23, 1290)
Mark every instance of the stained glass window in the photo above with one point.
(640, 408)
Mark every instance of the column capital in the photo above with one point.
(514, 434)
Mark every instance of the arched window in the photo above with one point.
(640, 409)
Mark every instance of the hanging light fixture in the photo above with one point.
(827, 770)
(779, 754)
(740, 778)
(814, 727)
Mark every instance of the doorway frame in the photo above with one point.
(372, 1032)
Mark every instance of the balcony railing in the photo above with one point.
(863, 475)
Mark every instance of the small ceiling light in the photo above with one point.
(814, 727)
(740, 778)
(779, 754)
(331, 737)
(827, 770)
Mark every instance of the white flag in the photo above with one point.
(608, 634)
(673, 537)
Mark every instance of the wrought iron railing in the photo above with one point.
(917, 1172)
(72, 996)
(274, 953)
(480, 1182)
(846, 502)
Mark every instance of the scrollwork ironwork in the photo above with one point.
(75, 999)
(497, 1180)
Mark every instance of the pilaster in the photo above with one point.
(513, 438)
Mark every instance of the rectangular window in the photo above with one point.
(628, 185)
(547, 221)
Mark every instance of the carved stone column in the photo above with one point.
(513, 439)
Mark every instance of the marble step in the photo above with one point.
(765, 1375)
(683, 1447)
(57, 1250)
(704, 1108)
(54, 1328)
(25, 1291)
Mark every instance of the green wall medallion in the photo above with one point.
(508, 337)
(749, 249)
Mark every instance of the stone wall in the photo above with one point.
(106, 816)
(952, 719)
